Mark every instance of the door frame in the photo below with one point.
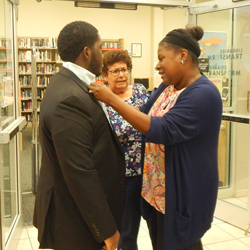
(18, 123)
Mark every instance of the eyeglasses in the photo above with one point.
(116, 72)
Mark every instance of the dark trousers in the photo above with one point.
(131, 215)
(156, 232)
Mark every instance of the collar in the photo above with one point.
(85, 75)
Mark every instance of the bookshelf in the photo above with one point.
(112, 44)
(109, 44)
(6, 76)
(47, 63)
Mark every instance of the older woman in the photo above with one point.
(116, 69)
(181, 123)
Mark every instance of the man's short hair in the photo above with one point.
(74, 37)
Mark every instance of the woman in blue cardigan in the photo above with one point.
(181, 123)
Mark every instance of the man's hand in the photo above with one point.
(112, 242)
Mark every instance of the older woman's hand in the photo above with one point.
(101, 92)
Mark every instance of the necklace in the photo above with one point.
(194, 79)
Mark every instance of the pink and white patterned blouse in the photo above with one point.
(153, 186)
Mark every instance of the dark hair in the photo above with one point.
(185, 38)
(113, 56)
(74, 37)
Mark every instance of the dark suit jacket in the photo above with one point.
(80, 193)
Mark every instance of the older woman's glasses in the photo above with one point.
(116, 72)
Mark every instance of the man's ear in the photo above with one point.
(87, 53)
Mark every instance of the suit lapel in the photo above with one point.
(68, 73)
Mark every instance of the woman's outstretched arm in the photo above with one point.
(137, 119)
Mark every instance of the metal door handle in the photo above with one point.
(9, 132)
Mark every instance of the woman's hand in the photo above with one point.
(137, 119)
(101, 92)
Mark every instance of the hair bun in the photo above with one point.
(196, 32)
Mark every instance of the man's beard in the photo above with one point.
(95, 66)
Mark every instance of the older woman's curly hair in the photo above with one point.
(113, 56)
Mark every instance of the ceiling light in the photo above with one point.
(121, 6)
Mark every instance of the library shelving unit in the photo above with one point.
(47, 62)
(6, 90)
(112, 44)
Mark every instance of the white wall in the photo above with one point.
(147, 25)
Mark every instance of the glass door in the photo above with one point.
(225, 59)
(10, 125)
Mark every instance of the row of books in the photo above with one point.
(25, 81)
(42, 68)
(2, 55)
(110, 45)
(24, 68)
(3, 66)
(40, 93)
(5, 43)
(26, 106)
(27, 117)
(44, 56)
(41, 56)
(45, 68)
(43, 80)
(26, 94)
(5, 55)
(50, 42)
(24, 56)
(4, 109)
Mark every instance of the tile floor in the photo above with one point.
(222, 236)
(239, 201)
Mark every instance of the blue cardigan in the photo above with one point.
(190, 133)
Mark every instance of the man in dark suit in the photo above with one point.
(80, 193)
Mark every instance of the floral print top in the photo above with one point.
(129, 137)
(153, 187)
